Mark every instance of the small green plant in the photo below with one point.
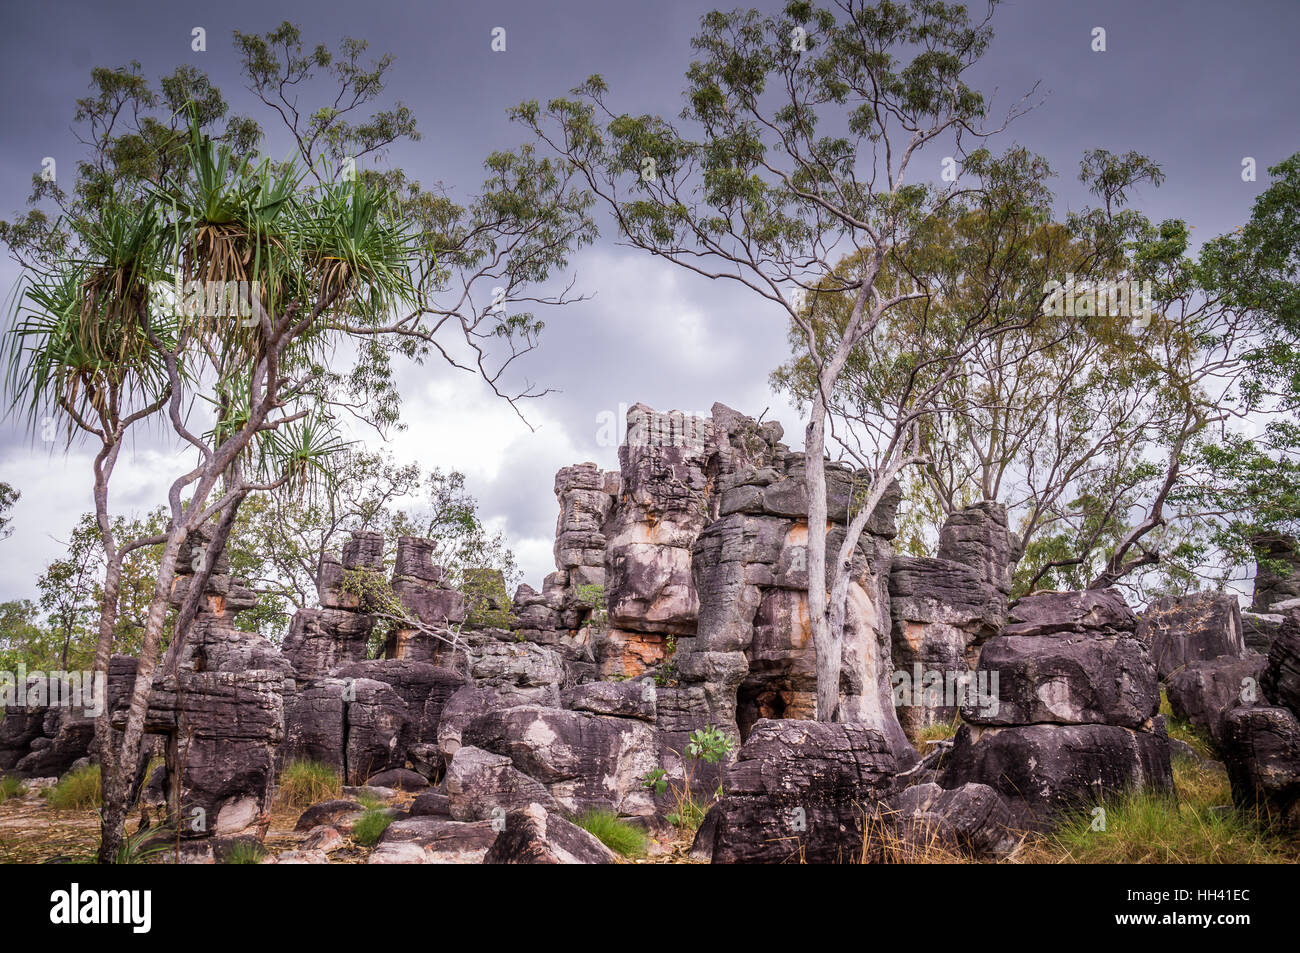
(77, 790)
(708, 744)
(620, 836)
(370, 826)
(370, 802)
(655, 780)
(593, 594)
(10, 786)
(304, 783)
(134, 851)
(245, 852)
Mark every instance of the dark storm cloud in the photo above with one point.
(1197, 86)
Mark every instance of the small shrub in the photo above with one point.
(620, 836)
(77, 790)
(370, 802)
(370, 826)
(10, 786)
(304, 783)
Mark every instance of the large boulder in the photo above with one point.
(1194, 628)
(434, 840)
(1086, 610)
(481, 785)
(977, 537)
(1203, 693)
(583, 760)
(1043, 770)
(801, 790)
(1066, 678)
(942, 612)
(533, 835)
(1261, 750)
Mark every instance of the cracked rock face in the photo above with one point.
(1193, 628)
(1100, 678)
(800, 791)
(1043, 770)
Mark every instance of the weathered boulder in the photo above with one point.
(481, 785)
(800, 790)
(1259, 630)
(1087, 610)
(533, 835)
(1277, 574)
(327, 813)
(1192, 628)
(1045, 769)
(973, 818)
(316, 723)
(583, 760)
(626, 699)
(226, 728)
(399, 779)
(1261, 750)
(1203, 693)
(377, 720)
(1066, 678)
(434, 840)
(424, 687)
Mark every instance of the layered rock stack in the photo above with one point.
(944, 609)
(1073, 712)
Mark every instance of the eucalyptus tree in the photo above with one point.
(800, 148)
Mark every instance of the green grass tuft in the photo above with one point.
(620, 836)
(10, 786)
(304, 783)
(77, 790)
(245, 852)
(370, 826)
(1142, 827)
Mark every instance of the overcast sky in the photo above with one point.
(1195, 85)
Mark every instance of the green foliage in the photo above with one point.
(656, 779)
(592, 596)
(304, 783)
(245, 852)
(8, 497)
(370, 826)
(10, 786)
(135, 850)
(622, 837)
(709, 744)
(1143, 827)
(78, 790)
